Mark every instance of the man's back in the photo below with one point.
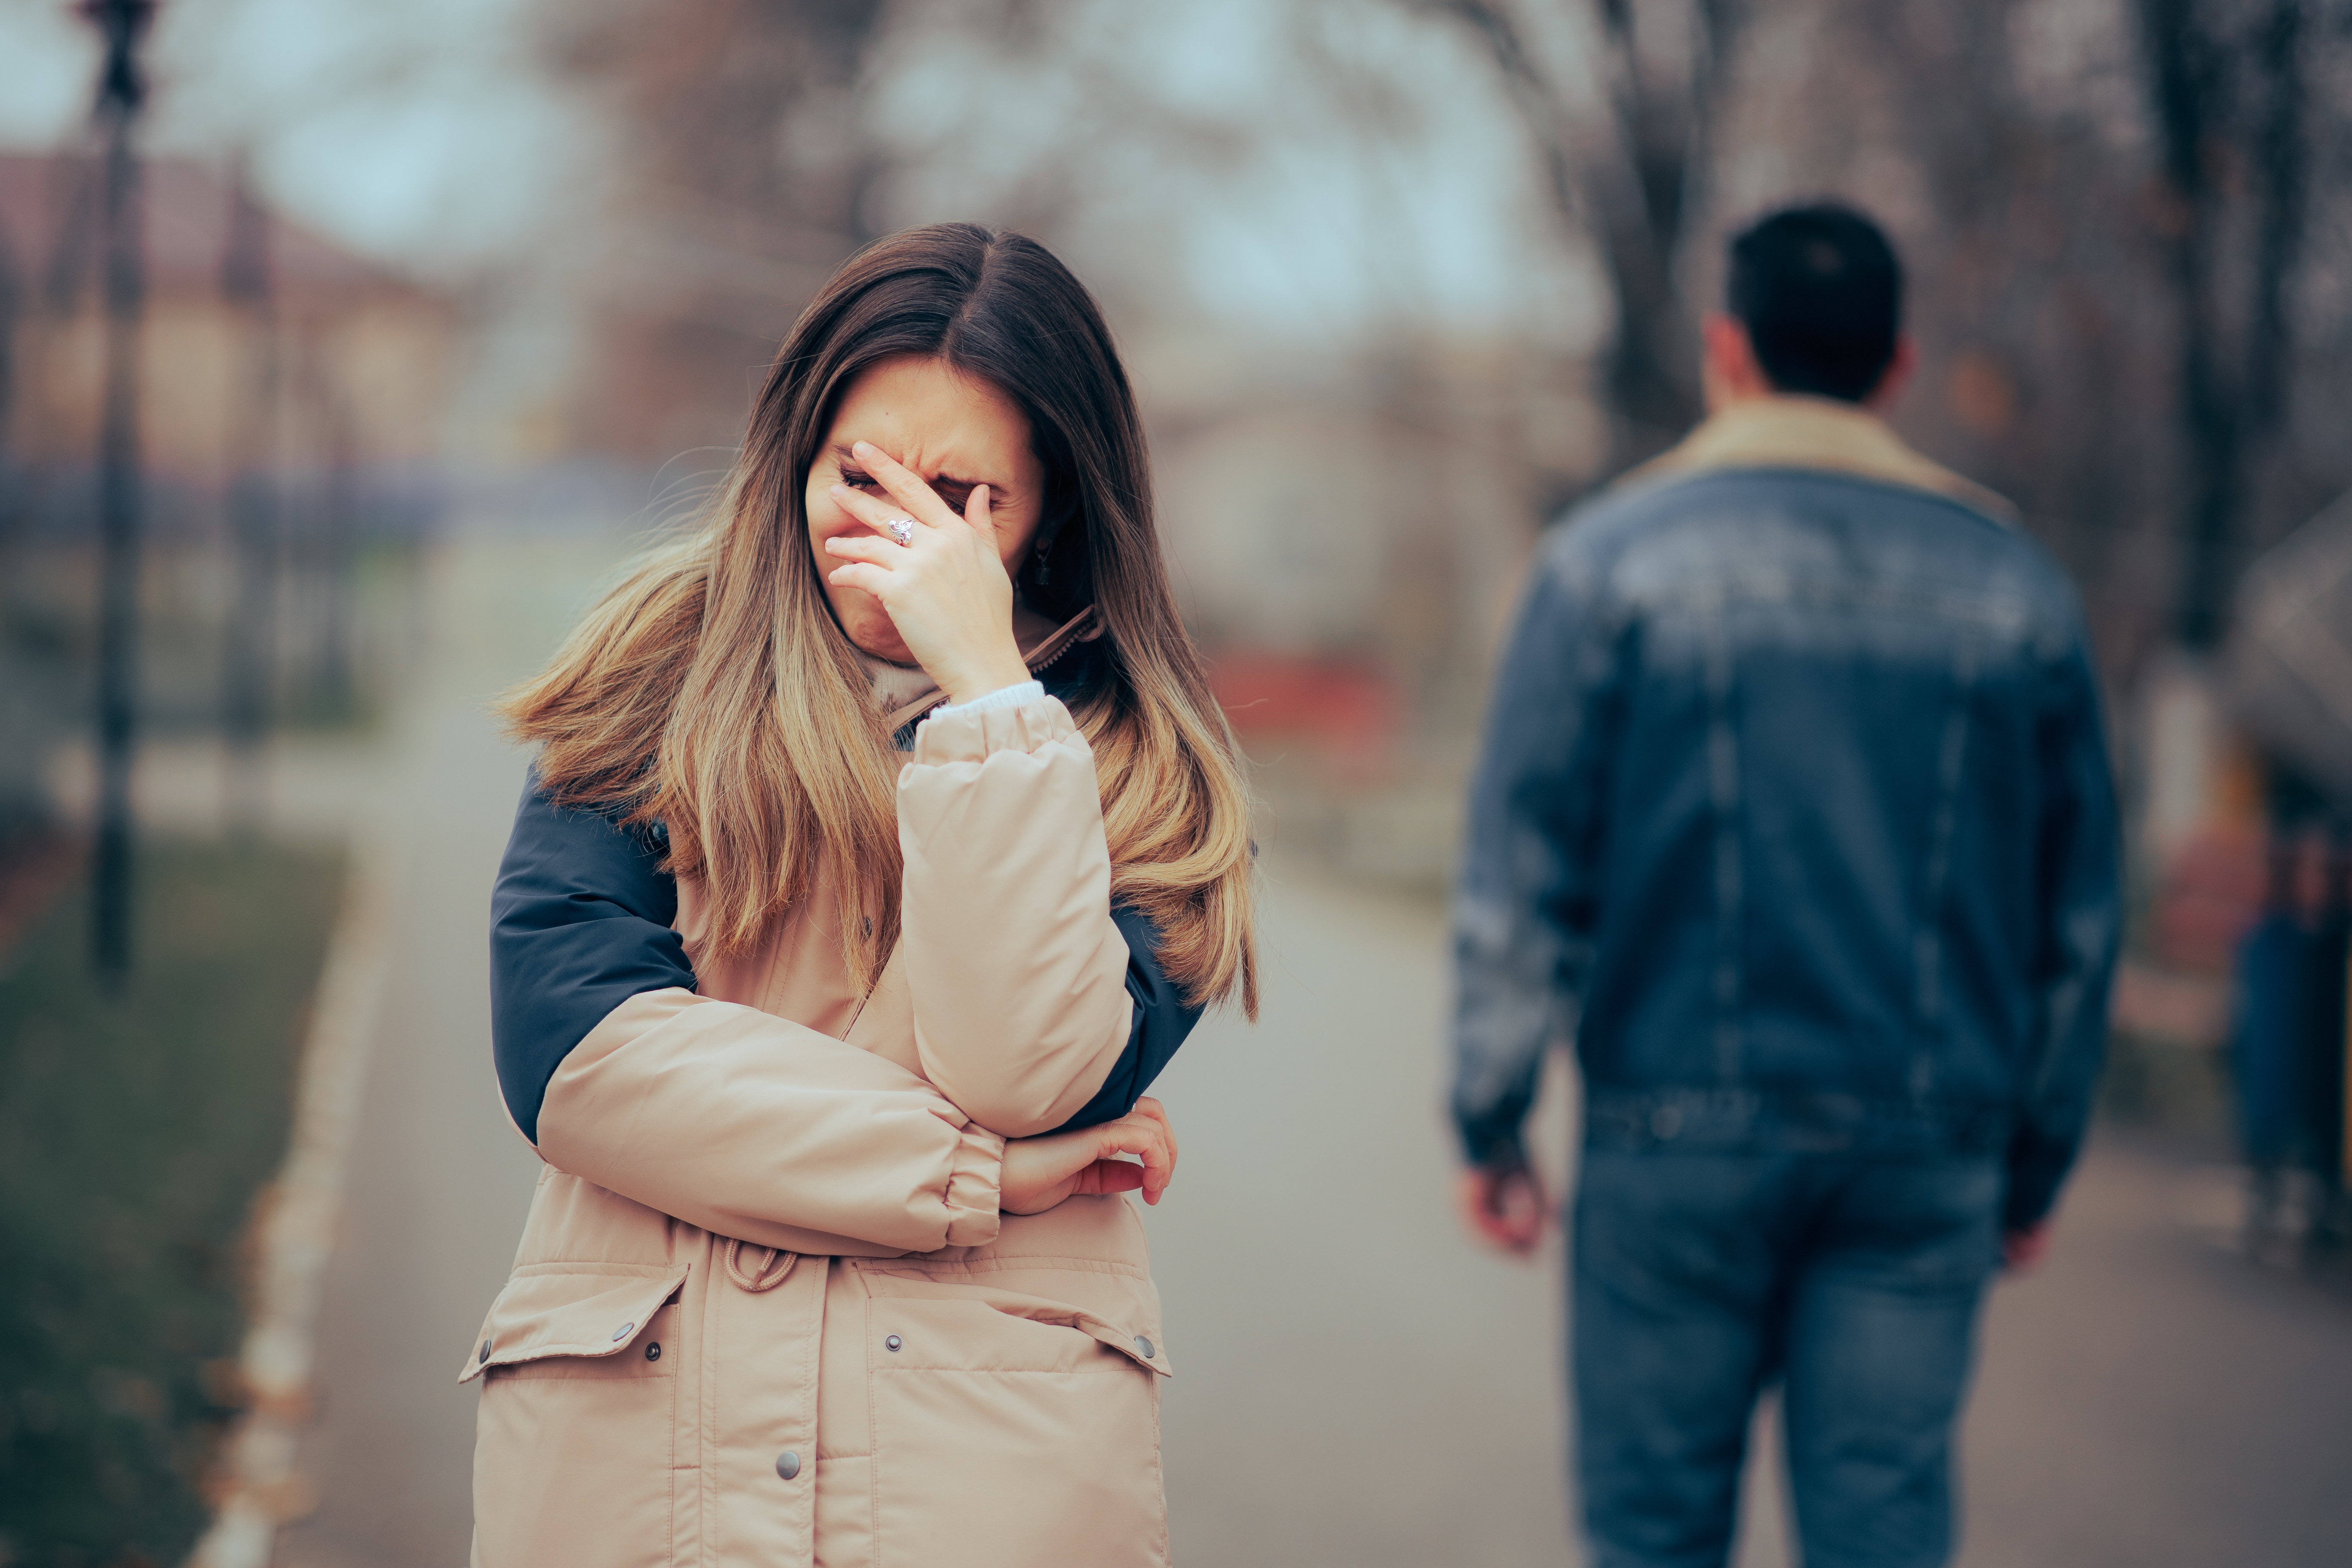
(1798, 774)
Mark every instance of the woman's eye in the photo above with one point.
(856, 480)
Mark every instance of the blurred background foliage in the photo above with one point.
(1400, 278)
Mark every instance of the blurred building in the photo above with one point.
(359, 346)
(291, 398)
(739, 180)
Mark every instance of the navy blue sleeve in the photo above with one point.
(1162, 1021)
(580, 922)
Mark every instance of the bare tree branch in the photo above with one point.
(1628, 185)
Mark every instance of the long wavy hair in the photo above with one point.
(713, 691)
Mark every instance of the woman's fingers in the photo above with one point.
(1107, 1176)
(906, 487)
(872, 511)
(1146, 1106)
(1145, 1136)
(1039, 1172)
(872, 579)
(976, 512)
(873, 547)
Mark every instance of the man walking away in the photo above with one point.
(1794, 809)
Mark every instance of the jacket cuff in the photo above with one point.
(969, 735)
(1495, 1143)
(1002, 697)
(2037, 1169)
(975, 1183)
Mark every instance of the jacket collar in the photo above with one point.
(1817, 433)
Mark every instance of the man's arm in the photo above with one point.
(1528, 898)
(2082, 910)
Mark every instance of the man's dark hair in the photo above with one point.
(1821, 293)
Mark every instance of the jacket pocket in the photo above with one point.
(574, 1320)
(576, 1438)
(1009, 1430)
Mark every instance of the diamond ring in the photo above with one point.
(902, 528)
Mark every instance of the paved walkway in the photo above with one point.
(439, 1181)
(1359, 1385)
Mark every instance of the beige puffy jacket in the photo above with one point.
(765, 1310)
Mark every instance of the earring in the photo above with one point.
(1042, 571)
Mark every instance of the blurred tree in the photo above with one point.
(741, 180)
(2008, 169)
(12, 305)
(1623, 150)
(2227, 82)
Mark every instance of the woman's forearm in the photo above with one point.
(1017, 970)
(754, 1127)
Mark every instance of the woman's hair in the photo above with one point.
(713, 691)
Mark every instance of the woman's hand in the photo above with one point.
(945, 588)
(1041, 1172)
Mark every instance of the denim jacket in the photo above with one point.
(1794, 810)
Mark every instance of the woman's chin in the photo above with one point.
(881, 642)
(869, 627)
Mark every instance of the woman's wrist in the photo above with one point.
(1011, 696)
(971, 683)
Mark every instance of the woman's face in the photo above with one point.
(954, 431)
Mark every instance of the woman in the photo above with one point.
(884, 842)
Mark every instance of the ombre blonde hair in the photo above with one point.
(713, 691)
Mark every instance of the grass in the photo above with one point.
(135, 1132)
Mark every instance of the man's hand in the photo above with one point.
(1504, 1206)
(2022, 1251)
(1041, 1172)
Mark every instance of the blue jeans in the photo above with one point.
(1700, 1277)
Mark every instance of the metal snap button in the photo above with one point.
(652, 1350)
(623, 1331)
(788, 1464)
(1144, 1345)
(892, 1342)
(485, 1351)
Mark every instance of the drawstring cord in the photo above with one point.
(762, 1279)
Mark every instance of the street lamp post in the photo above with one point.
(121, 88)
(251, 650)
